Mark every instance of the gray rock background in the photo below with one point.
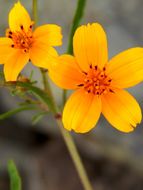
(113, 159)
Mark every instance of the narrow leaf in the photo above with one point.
(77, 18)
(15, 180)
(36, 118)
(14, 111)
(40, 94)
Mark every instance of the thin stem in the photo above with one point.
(75, 157)
(35, 15)
(47, 87)
(43, 72)
(45, 81)
(64, 96)
(76, 20)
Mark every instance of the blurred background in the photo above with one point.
(113, 160)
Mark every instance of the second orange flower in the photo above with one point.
(22, 44)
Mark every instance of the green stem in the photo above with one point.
(76, 21)
(45, 81)
(43, 72)
(35, 15)
(64, 96)
(47, 87)
(73, 153)
(75, 157)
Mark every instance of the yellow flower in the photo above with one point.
(98, 83)
(21, 44)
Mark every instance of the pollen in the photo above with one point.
(96, 81)
(21, 39)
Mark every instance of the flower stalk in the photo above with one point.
(43, 71)
(75, 157)
(76, 21)
(35, 12)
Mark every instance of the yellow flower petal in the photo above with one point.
(18, 17)
(42, 55)
(90, 46)
(49, 34)
(5, 49)
(121, 110)
(126, 68)
(65, 73)
(81, 111)
(14, 64)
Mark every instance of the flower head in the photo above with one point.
(22, 44)
(98, 83)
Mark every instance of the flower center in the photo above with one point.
(21, 39)
(96, 81)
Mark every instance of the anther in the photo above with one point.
(10, 32)
(110, 90)
(84, 72)
(80, 85)
(21, 27)
(12, 45)
(30, 26)
(96, 81)
(95, 67)
(9, 36)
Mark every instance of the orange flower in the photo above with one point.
(22, 44)
(98, 83)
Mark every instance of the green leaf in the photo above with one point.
(15, 180)
(16, 110)
(77, 18)
(40, 94)
(36, 118)
(31, 75)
